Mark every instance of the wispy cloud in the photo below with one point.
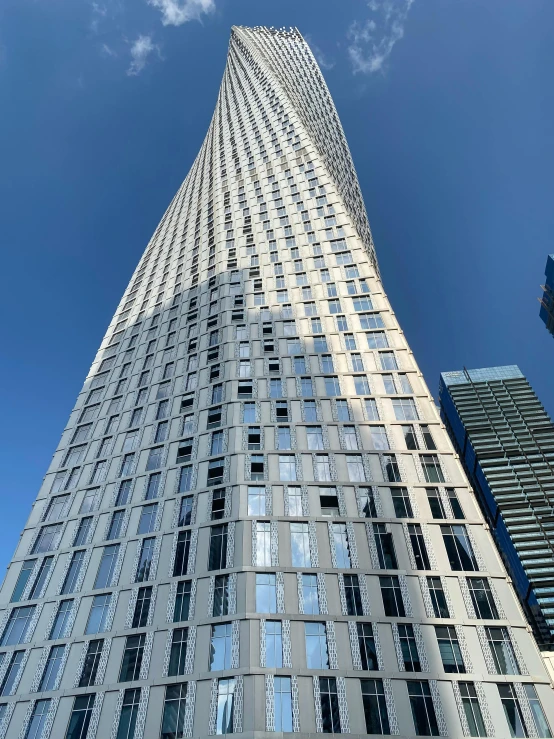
(177, 12)
(322, 59)
(372, 40)
(140, 51)
(99, 12)
(106, 50)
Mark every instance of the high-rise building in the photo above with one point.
(505, 440)
(547, 301)
(255, 521)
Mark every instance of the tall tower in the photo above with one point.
(255, 521)
(505, 440)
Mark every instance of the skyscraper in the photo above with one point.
(254, 520)
(505, 440)
(547, 301)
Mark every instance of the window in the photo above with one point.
(161, 432)
(127, 467)
(221, 647)
(435, 503)
(320, 344)
(370, 406)
(80, 717)
(47, 539)
(362, 303)
(300, 545)
(329, 705)
(537, 711)
(263, 547)
(73, 572)
(455, 503)
(147, 521)
(502, 650)
(317, 657)
(449, 648)
(431, 468)
(482, 598)
(377, 340)
(392, 470)
(405, 409)
(182, 554)
(274, 644)
(266, 593)
(92, 660)
(173, 722)
(129, 713)
(402, 503)
(41, 578)
(287, 467)
(249, 413)
(366, 642)
(106, 568)
(178, 652)
(423, 710)
(310, 410)
(154, 458)
(332, 386)
(37, 721)
(218, 547)
(341, 545)
(410, 438)
(61, 620)
(392, 596)
(24, 574)
(322, 467)
(310, 594)
(218, 504)
(142, 608)
(329, 501)
(257, 466)
(458, 548)
(388, 384)
(418, 547)
(185, 511)
(428, 438)
(56, 507)
(438, 597)
(388, 361)
(385, 547)
(375, 707)
(221, 596)
(295, 501)
(254, 438)
(367, 502)
(12, 672)
(282, 692)
(182, 601)
(353, 596)
(409, 648)
(472, 709)
(314, 435)
(355, 468)
(349, 438)
(132, 658)
(225, 706)
(281, 410)
(145, 559)
(512, 710)
(153, 486)
(114, 532)
(256, 501)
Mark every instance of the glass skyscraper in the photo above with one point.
(547, 301)
(505, 440)
(255, 521)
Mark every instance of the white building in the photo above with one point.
(255, 521)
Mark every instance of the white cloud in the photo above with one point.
(106, 50)
(99, 12)
(372, 41)
(177, 12)
(322, 59)
(140, 51)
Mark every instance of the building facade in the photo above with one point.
(505, 440)
(255, 521)
(547, 301)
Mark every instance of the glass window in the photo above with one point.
(375, 707)
(341, 545)
(350, 438)
(225, 705)
(402, 503)
(147, 522)
(449, 648)
(502, 650)
(458, 548)
(418, 547)
(132, 658)
(388, 383)
(129, 713)
(173, 721)
(80, 717)
(310, 410)
(438, 598)
(366, 642)
(355, 468)
(182, 601)
(332, 386)
(274, 644)
(178, 653)
(482, 598)
(98, 616)
(314, 435)
(409, 648)
(370, 405)
(263, 544)
(218, 547)
(61, 620)
(432, 470)
(367, 502)
(388, 361)
(182, 554)
(353, 595)
(536, 709)
(256, 501)
(322, 468)
(300, 545)
(185, 511)
(106, 568)
(295, 500)
(512, 710)
(472, 709)
(266, 594)
(423, 710)
(41, 578)
(37, 720)
(287, 467)
(392, 596)
(282, 692)
(221, 647)
(385, 547)
(92, 660)
(153, 486)
(12, 672)
(73, 572)
(317, 657)
(47, 539)
(23, 577)
(329, 705)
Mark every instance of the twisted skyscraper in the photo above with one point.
(255, 521)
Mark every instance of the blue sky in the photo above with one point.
(448, 106)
